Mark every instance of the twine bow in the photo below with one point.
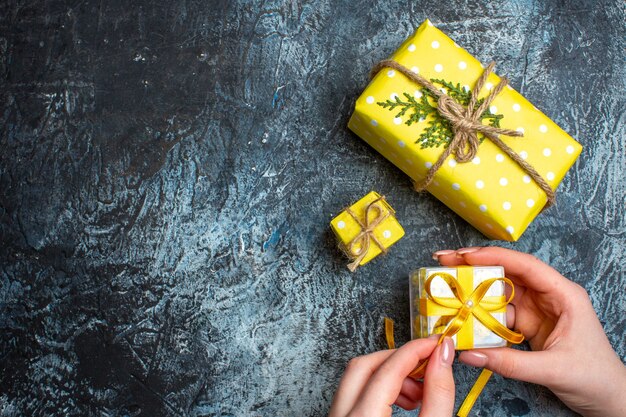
(466, 125)
(358, 247)
(462, 308)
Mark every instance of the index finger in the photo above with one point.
(384, 386)
(532, 272)
(354, 379)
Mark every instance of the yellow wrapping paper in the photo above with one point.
(346, 228)
(492, 192)
(429, 318)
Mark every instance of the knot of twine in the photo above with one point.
(466, 124)
(358, 247)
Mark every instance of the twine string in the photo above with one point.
(466, 124)
(358, 247)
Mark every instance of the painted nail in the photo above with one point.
(463, 251)
(473, 359)
(439, 253)
(447, 352)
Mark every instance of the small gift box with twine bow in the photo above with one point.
(366, 229)
(471, 300)
(462, 133)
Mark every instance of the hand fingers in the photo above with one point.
(534, 367)
(356, 375)
(384, 386)
(451, 258)
(412, 389)
(448, 257)
(411, 394)
(438, 398)
(531, 271)
(510, 316)
(407, 403)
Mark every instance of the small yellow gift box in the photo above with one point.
(366, 229)
(467, 303)
(496, 191)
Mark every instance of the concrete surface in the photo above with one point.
(168, 171)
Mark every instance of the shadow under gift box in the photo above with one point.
(492, 192)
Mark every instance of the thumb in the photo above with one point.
(534, 367)
(438, 397)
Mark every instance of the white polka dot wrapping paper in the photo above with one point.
(346, 228)
(492, 192)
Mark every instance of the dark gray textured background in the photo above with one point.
(168, 170)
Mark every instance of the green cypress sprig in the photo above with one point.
(421, 109)
(439, 130)
(455, 91)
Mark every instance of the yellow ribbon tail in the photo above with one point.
(391, 343)
(474, 393)
(418, 373)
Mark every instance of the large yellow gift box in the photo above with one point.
(366, 229)
(492, 192)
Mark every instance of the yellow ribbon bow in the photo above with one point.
(463, 307)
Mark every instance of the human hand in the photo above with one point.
(372, 383)
(571, 353)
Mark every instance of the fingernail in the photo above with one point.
(439, 253)
(434, 336)
(473, 359)
(447, 352)
(463, 251)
